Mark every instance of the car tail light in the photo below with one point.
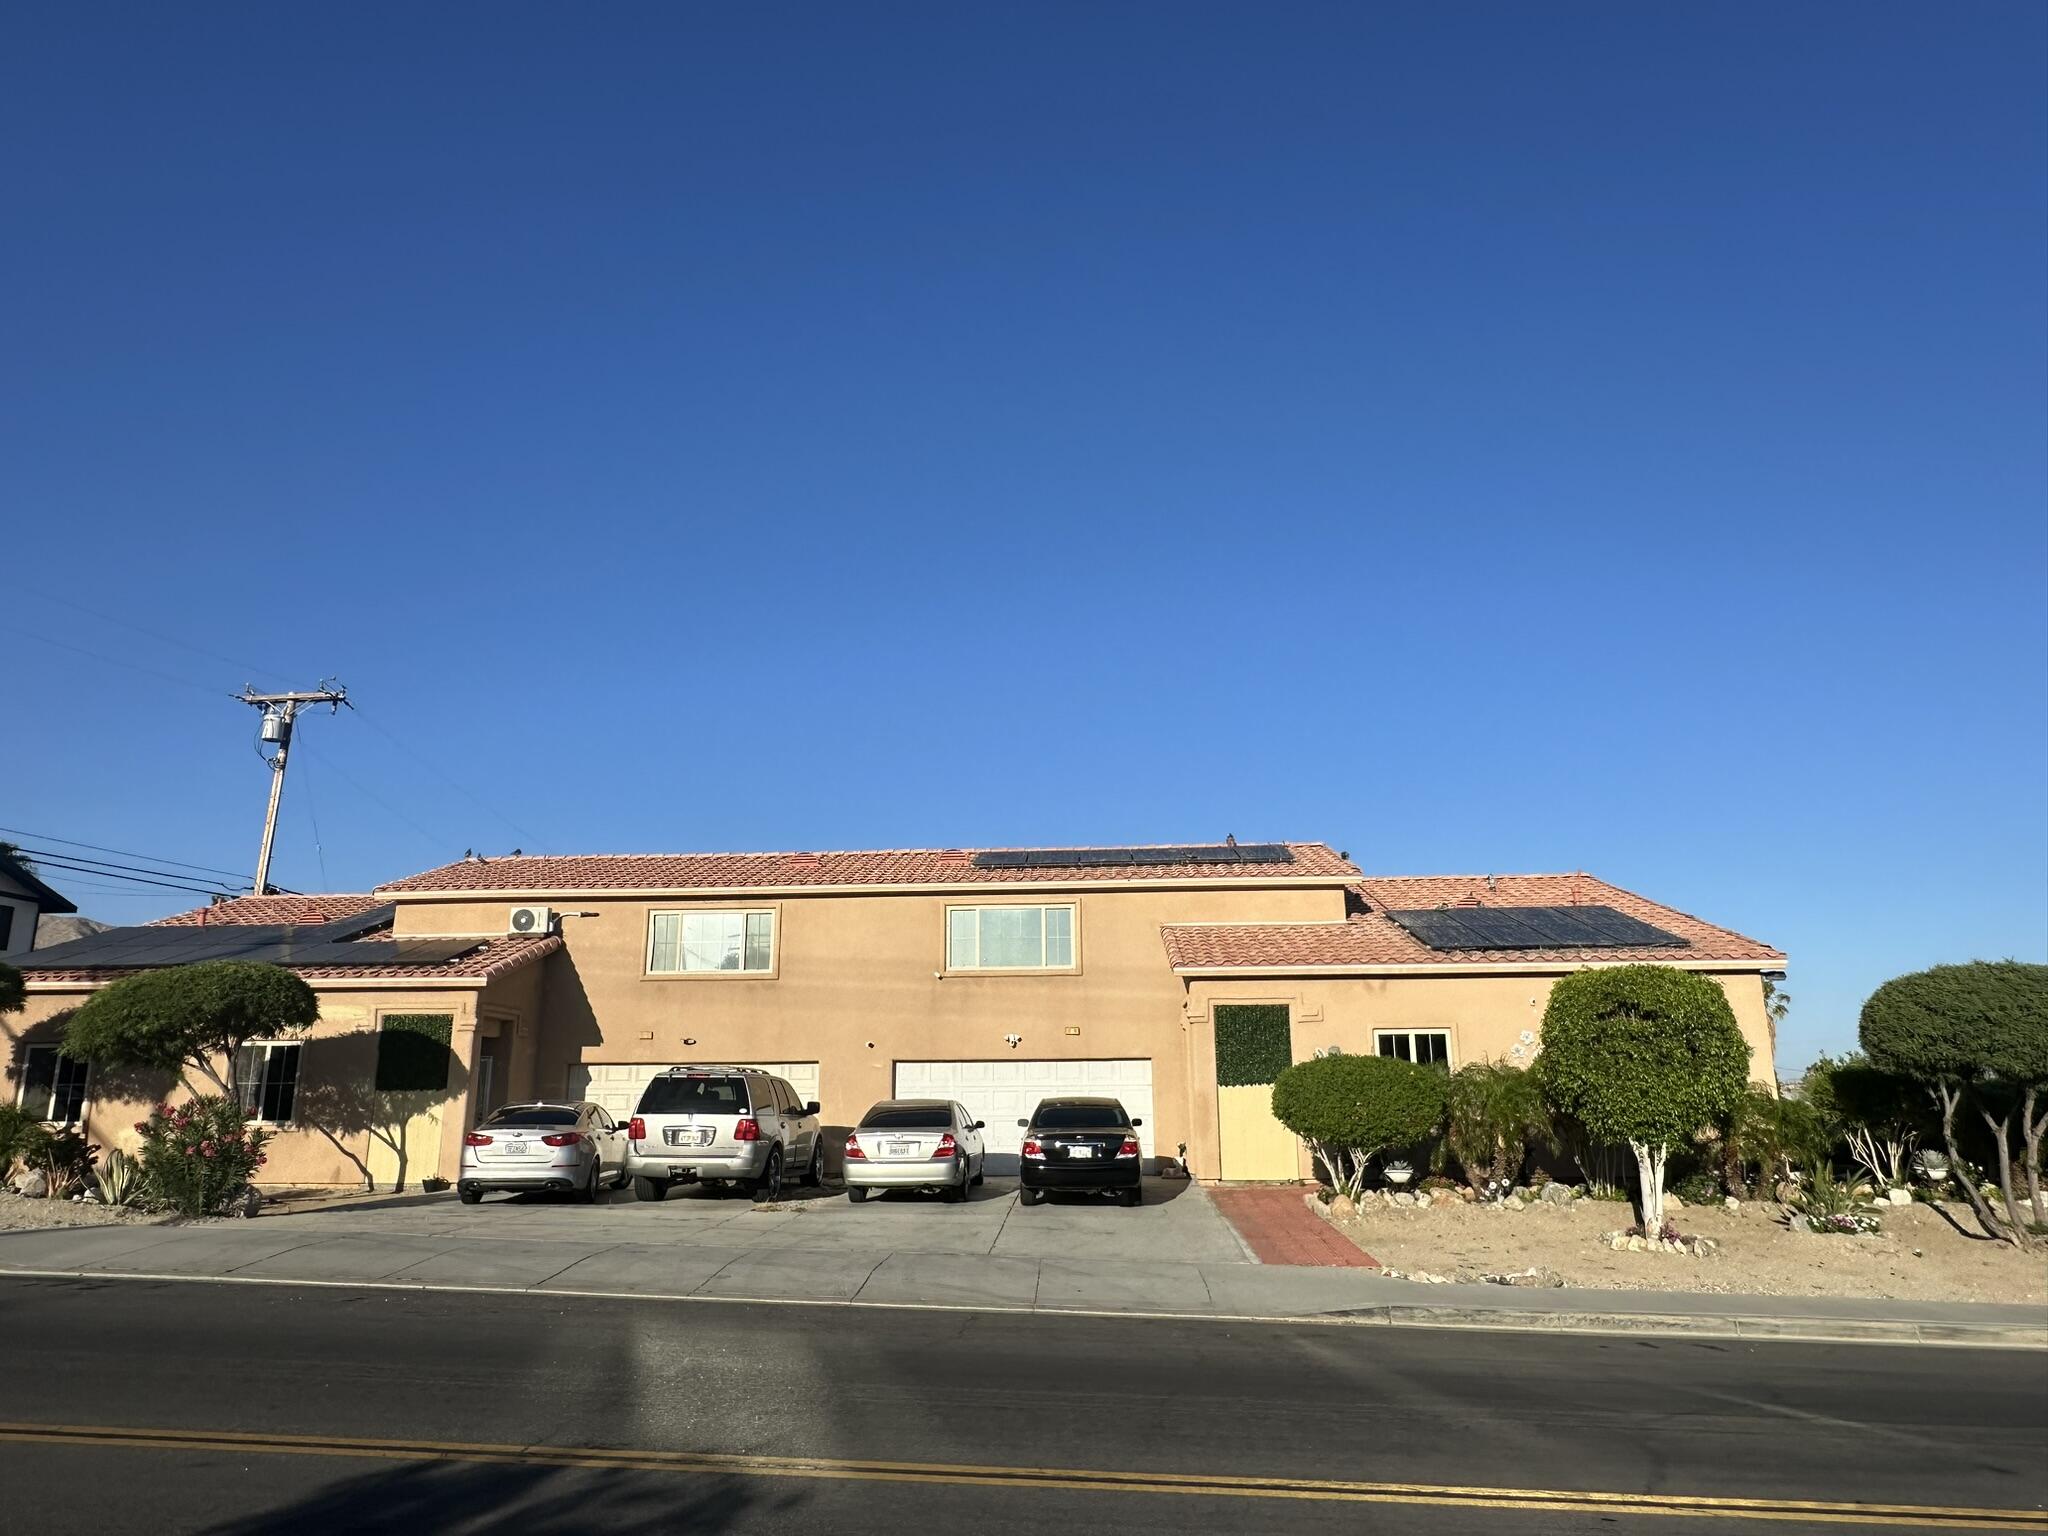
(476, 1139)
(563, 1138)
(747, 1130)
(636, 1128)
(1032, 1148)
(1129, 1148)
(947, 1147)
(853, 1151)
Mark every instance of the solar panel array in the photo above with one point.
(321, 944)
(1454, 928)
(1119, 858)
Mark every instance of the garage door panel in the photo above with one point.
(1003, 1091)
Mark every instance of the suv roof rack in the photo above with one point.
(699, 1068)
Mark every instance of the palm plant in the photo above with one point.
(1777, 1003)
(1496, 1110)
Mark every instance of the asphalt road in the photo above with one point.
(155, 1407)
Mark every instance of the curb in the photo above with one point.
(1757, 1329)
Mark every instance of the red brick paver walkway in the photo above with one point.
(1281, 1229)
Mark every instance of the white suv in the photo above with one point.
(721, 1126)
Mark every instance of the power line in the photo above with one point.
(373, 797)
(108, 618)
(114, 661)
(126, 853)
(107, 874)
(319, 849)
(78, 861)
(449, 779)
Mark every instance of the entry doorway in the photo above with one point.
(1254, 1044)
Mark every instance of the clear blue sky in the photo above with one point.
(1487, 438)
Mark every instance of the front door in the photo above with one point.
(1254, 1043)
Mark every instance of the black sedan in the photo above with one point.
(1081, 1144)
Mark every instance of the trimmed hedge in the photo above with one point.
(1254, 1043)
(412, 1052)
(1360, 1105)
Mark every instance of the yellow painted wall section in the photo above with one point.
(1254, 1147)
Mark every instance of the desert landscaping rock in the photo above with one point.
(1924, 1253)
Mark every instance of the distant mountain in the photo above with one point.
(62, 930)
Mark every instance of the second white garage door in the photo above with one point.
(617, 1087)
(1005, 1091)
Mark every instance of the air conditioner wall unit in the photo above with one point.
(530, 920)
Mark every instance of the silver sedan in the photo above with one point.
(915, 1144)
(572, 1148)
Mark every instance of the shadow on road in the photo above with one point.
(535, 1501)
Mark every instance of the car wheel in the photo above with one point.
(955, 1192)
(980, 1173)
(469, 1196)
(1130, 1197)
(1029, 1196)
(650, 1189)
(855, 1194)
(588, 1194)
(768, 1188)
(814, 1175)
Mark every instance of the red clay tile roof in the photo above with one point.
(1370, 938)
(266, 910)
(533, 875)
(492, 958)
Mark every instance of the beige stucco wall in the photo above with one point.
(856, 967)
(347, 1132)
(1485, 1015)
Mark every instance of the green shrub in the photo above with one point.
(1699, 1187)
(1825, 1204)
(12, 993)
(1772, 1136)
(1254, 1043)
(200, 1155)
(16, 1128)
(1644, 1054)
(1878, 1116)
(1495, 1111)
(1350, 1109)
(63, 1157)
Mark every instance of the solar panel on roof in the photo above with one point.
(1593, 927)
(1115, 858)
(153, 948)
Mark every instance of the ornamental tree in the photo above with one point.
(190, 1017)
(1975, 1034)
(12, 993)
(1350, 1109)
(1643, 1054)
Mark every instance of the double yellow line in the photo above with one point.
(1812, 1512)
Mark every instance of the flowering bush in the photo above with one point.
(1848, 1224)
(199, 1155)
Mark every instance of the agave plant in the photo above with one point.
(118, 1179)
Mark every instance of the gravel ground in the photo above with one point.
(1919, 1256)
(17, 1214)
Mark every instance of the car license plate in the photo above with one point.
(1080, 1151)
(515, 1149)
(689, 1135)
(899, 1149)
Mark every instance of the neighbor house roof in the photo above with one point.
(1368, 939)
(268, 911)
(530, 874)
(15, 872)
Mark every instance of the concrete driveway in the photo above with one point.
(1177, 1224)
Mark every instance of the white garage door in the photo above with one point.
(1006, 1091)
(617, 1087)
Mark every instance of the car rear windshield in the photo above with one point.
(533, 1117)
(908, 1118)
(1080, 1117)
(694, 1096)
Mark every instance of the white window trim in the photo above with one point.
(1450, 1043)
(1072, 968)
(298, 1076)
(773, 911)
(21, 1093)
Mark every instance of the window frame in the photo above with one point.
(1450, 1061)
(298, 1079)
(1071, 908)
(56, 1068)
(772, 910)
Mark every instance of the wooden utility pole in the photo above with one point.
(279, 711)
